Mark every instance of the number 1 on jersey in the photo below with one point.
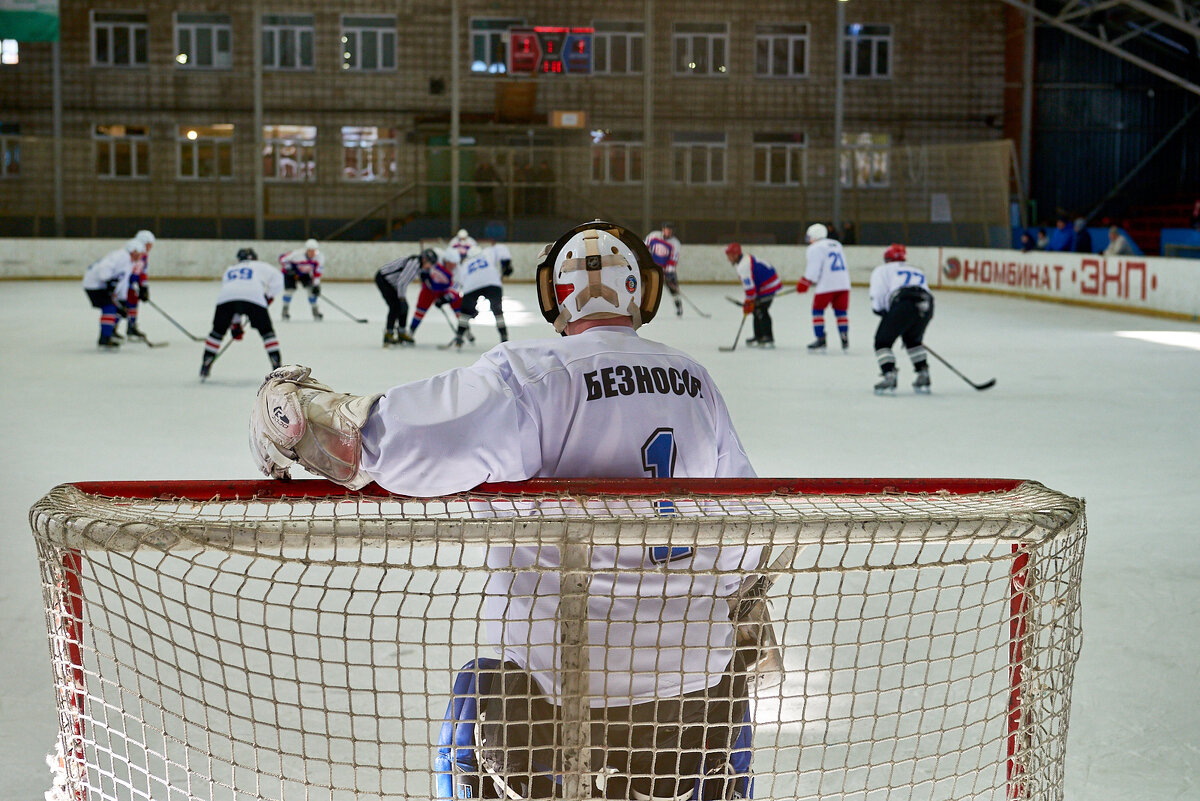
(658, 459)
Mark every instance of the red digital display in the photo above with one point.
(550, 50)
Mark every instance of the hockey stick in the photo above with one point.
(148, 343)
(985, 385)
(693, 305)
(468, 335)
(343, 311)
(780, 293)
(737, 336)
(174, 322)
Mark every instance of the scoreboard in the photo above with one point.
(550, 50)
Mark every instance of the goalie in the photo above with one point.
(667, 686)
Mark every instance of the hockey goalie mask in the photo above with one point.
(598, 270)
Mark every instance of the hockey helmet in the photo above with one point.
(668, 226)
(734, 251)
(145, 237)
(310, 244)
(429, 256)
(597, 270)
(895, 252)
(247, 254)
(133, 246)
(816, 232)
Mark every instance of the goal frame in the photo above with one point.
(72, 621)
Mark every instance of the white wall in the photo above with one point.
(1147, 284)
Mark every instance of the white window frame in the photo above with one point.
(116, 24)
(605, 32)
(866, 160)
(487, 31)
(791, 148)
(188, 147)
(139, 151)
(699, 39)
(219, 28)
(277, 27)
(606, 145)
(788, 35)
(368, 151)
(358, 27)
(306, 161)
(860, 35)
(690, 149)
(10, 151)
(10, 52)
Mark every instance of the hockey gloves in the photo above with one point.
(236, 331)
(802, 285)
(144, 293)
(748, 306)
(296, 419)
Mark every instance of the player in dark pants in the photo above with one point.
(397, 316)
(900, 296)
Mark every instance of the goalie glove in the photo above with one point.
(144, 292)
(296, 419)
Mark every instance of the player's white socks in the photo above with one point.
(297, 419)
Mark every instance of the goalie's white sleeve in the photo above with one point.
(826, 266)
(479, 269)
(889, 278)
(603, 403)
(114, 266)
(253, 281)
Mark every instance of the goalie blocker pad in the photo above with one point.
(493, 720)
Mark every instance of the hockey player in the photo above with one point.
(664, 249)
(437, 285)
(462, 243)
(901, 296)
(760, 282)
(302, 266)
(247, 288)
(478, 276)
(827, 273)
(393, 279)
(669, 710)
(139, 286)
(106, 283)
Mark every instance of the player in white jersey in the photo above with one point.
(302, 266)
(247, 288)
(479, 275)
(106, 283)
(463, 243)
(900, 295)
(600, 402)
(664, 248)
(139, 284)
(827, 275)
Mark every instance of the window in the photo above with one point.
(700, 48)
(205, 152)
(368, 153)
(864, 160)
(369, 43)
(122, 151)
(699, 157)
(119, 39)
(9, 52)
(287, 41)
(489, 44)
(781, 51)
(868, 51)
(10, 150)
(779, 159)
(203, 41)
(290, 152)
(618, 48)
(616, 157)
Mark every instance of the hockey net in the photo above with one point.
(228, 641)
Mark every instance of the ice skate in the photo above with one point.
(404, 338)
(133, 332)
(921, 384)
(108, 343)
(766, 344)
(678, 308)
(390, 339)
(845, 342)
(116, 337)
(817, 346)
(752, 342)
(285, 313)
(887, 385)
(317, 313)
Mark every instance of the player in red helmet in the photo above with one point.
(900, 295)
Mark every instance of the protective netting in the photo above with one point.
(268, 641)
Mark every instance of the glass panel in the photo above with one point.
(370, 52)
(224, 42)
(717, 174)
(268, 48)
(206, 160)
(798, 46)
(636, 53)
(700, 55)
(620, 58)
(862, 61)
(881, 58)
(225, 159)
(183, 44)
(120, 46)
(140, 45)
(351, 54)
(204, 47)
(306, 48)
(122, 158)
(762, 55)
(287, 48)
(778, 165)
(635, 163)
(600, 53)
(795, 162)
(760, 165)
(718, 56)
(847, 56)
(698, 172)
(779, 60)
(101, 45)
(103, 165)
(387, 52)
(142, 158)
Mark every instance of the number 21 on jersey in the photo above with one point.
(658, 460)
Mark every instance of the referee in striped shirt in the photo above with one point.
(393, 279)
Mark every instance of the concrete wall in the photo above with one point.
(1154, 285)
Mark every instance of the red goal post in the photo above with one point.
(258, 639)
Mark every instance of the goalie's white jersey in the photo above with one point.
(114, 266)
(603, 403)
(826, 266)
(481, 268)
(889, 278)
(253, 281)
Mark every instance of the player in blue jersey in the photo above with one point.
(760, 283)
(664, 249)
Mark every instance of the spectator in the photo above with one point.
(1118, 245)
(1028, 241)
(1083, 239)
(1043, 239)
(1063, 237)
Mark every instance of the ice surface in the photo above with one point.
(1093, 403)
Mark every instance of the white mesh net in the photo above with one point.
(282, 641)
